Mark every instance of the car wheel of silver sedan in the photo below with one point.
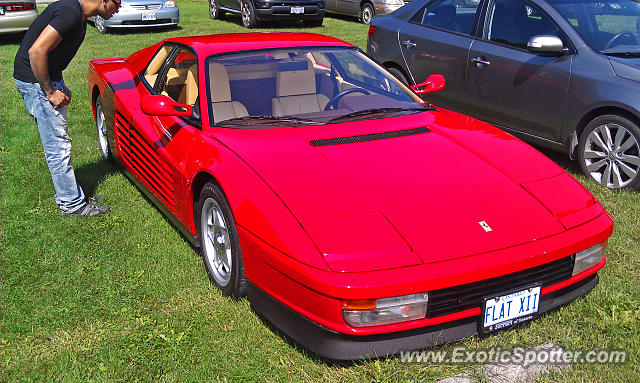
(219, 244)
(101, 127)
(366, 14)
(609, 152)
(100, 26)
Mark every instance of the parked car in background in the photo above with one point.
(17, 16)
(563, 74)
(364, 9)
(141, 13)
(254, 12)
(357, 218)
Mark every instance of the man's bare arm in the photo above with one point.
(48, 40)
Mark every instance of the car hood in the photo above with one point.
(628, 68)
(389, 193)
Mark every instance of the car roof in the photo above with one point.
(235, 42)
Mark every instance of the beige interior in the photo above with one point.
(155, 64)
(191, 88)
(296, 93)
(221, 104)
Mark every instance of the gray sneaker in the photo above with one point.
(89, 210)
(94, 199)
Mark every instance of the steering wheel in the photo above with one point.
(609, 43)
(334, 100)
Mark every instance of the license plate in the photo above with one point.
(1, 10)
(509, 309)
(297, 10)
(148, 15)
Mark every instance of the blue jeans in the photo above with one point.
(52, 125)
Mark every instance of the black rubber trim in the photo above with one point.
(369, 137)
(337, 346)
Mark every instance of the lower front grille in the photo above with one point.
(463, 297)
(147, 22)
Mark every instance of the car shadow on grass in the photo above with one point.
(90, 175)
(11, 39)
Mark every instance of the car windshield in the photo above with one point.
(608, 26)
(302, 86)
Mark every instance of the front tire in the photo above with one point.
(100, 25)
(219, 244)
(609, 152)
(215, 13)
(248, 14)
(101, 127)
(366, 13)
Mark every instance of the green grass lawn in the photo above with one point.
(125, 298)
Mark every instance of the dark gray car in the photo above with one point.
(564, 74)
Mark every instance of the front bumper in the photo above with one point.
(14, 22)
(131, 18)
(283, 12)
(314, 294)
(334, 345)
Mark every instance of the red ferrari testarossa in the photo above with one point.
(357, 218)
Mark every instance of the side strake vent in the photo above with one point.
(369, 137)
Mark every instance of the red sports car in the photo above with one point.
(357, 218)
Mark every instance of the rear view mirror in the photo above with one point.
(434, 83)
(157, 105)
(545, 44)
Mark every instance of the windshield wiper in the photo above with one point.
(623, 54)
(365, 112)
(265, 120)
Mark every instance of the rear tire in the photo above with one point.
(219, 243)
(215, 13)
(101, 127)
(366, 13)
(100, 25)
(397, 73)
(609, 152)
(248, 14)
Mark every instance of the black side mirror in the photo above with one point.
(546, 45)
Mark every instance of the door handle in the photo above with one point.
(409, 44)
(480, 61)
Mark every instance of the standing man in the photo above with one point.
(46, 49)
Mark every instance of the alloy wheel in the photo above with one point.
(612, 155)
(367, 14)
(216, 242)
(102, 131)
(99, 23)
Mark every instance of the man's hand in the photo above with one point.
(58, 98)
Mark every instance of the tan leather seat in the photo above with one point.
(223, 107)
(154, 66)
(191, 87)
(296, 91)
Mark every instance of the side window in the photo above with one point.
(181, 79)
(514, 22)
(153, 69)
(450, 15)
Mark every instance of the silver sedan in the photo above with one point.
(140, 13)
(17, 16)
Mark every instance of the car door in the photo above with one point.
(159, 145)
(507, 85)
(350, 7)
(331, 5)
(437, 40)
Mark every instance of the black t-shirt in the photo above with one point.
(65, 16)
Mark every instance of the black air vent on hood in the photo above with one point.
(369, 137)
